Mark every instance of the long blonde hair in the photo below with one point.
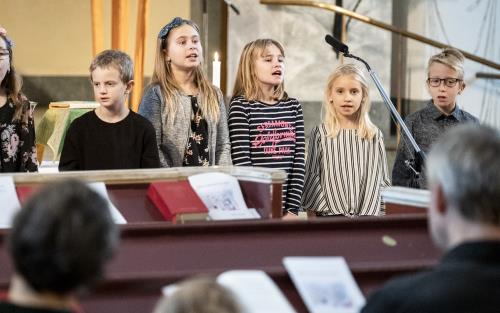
(366, 128)
(246, 83)
(163, 76)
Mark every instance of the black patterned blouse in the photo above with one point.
(17, 140)
(197, 147)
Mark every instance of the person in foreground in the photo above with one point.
(463, 171)
(199, 295)
(59, 243)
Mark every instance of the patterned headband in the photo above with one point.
(176, 22)
(9, 42)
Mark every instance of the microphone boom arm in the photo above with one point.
(392, 109)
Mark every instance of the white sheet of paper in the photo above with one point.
(8, 199)
(100, 188)
(256, 291)
(325, 284)
(406, 196)
(221, 194)
(48, 167)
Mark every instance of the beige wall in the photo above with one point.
(53, 37)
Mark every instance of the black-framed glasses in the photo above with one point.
(448, 81)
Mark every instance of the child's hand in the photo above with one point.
(289, 216)
(3, 31)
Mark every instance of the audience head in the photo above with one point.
(261, 63)
(347, 98)
(62, 238)
(463, 170)
(445, 78)
(199, 295)
(178, 49)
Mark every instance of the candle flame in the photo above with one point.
(216, 56)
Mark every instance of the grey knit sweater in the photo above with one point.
(172, 136)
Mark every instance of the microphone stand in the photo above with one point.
(419, 154)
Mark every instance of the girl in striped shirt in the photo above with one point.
(266, 127)
(346, 164)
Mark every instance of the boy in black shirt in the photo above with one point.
(112, 136)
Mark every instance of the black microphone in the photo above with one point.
(235, 9)
(337, 44)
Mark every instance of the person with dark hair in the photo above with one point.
(17, 125)
(59, 243)
(463, 171)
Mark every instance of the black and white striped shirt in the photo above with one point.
(270, 135)
(344, 174)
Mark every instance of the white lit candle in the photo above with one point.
(216, 70)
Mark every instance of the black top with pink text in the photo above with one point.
(270, 135)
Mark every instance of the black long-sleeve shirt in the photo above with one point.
(270, 135)
(92, 144)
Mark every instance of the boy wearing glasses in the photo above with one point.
(445, 82)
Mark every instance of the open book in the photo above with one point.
(222, 195)
(325, 284)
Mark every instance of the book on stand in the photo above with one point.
(177, 201)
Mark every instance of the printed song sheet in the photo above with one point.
(325, 284)
(100, 188)
(221, 194)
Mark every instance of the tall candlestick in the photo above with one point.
(216, 70)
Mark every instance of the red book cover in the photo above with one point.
(177, 201)
(25, 191)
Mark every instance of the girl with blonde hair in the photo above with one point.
(266, 126)
(346, 163)
(186, 110)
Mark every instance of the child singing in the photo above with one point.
(266, 127)
(346, 163)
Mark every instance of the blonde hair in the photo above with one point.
(450, 57)
(163, 76)
(246, 83)
(366, 128)
(199, 295)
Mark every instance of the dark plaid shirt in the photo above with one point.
(426, 126)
